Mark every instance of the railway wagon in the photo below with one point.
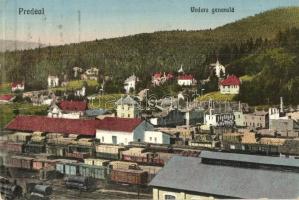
(137, 155)
(264, 149)
(38, 164)
(128, 176)
(93, 171)
(71, 169)
(6, 146)
(21, 137)
(78, 155)
(161, 159)
(110, 152)
(34, 148)
(123, 165)
(56, 150)
(19, 162)
(63, 166)
(96, 161)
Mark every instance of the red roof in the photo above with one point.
(73, 105)
(72, 126)
(186, 77)
(231, 80)
(15, 84)
(6, 97)
(53, 125)
(169, 75)
(119, 124)
(157, 75)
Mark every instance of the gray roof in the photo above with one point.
(127, 100)
(251, 158)
(95, 112)
(189, 174)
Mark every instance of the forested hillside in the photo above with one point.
(146, 53)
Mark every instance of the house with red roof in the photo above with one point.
(186, 80)
(53, 125)
(110, 130)
(68, 109)
(160, 78)
(113, 130)
(17, 86)
(6, 98)
(230, 85)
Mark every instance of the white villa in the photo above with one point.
(230, 85)
(130, 83)
(53, 81)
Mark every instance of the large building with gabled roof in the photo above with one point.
(225, 175)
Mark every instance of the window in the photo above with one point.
(129, 115)
(150, 138)
(169, 197)
(155, 140)
(102, 138)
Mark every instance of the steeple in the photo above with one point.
(181, 69)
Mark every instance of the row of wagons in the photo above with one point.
(127, 176)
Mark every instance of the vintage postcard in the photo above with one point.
(149, 99)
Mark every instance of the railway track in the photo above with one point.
(62, 193)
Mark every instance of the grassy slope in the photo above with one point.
(76, 85)
(105, 101)
(5, 88)
(216, 96)
(8, 111)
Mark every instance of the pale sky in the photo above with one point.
(113, 18)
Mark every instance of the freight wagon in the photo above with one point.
(38, 164)
(20, 137)
(67, 168)
(137, 155)
(263, 149)
(34, 148)
(56, 150)
(81, 169)
(110, 152)
(96, 161)
(96, 172)
(123, 165)
(133, 177)
(81, 148)
(19, 162)
(146, 158)
(161, 159)
(77, 155)
(13, 147)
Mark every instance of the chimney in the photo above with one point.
(281, 104)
